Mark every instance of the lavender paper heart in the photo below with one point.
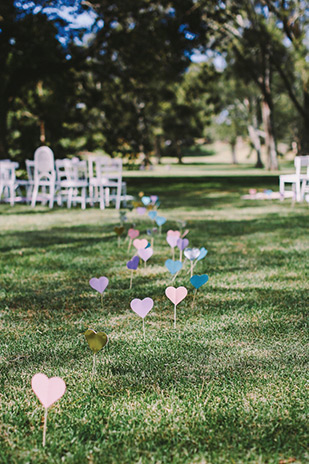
(99, 284)
(182, 243)
(142, 307)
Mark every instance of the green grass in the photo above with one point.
(228, 386)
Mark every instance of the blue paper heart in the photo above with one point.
(203, 253)
(152, 214)
(160, 220)
(173, 266)
(133, 263)
(198, 280)
(146, 200)
(148, 245)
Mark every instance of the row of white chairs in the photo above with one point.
(296, 185)
(69, 180)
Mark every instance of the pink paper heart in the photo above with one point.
(173, 233)
(176, 295)
(142, 307)
(172, 240)
(47, 390)
(99, 284)
(133, 233)
(140, 243)
(145, 253)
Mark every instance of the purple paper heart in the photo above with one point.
(142, 307)
(182, 243)
(133, 263)
(141, 210)
(99, 284)
(145, 253)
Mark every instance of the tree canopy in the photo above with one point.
(83, 75)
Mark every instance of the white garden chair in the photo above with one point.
(72, 182)
(44, 176)
(297, 181)
(105, 181)
(8, 183)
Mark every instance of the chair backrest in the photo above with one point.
(44, 163)
(71, 170)
(30, 169)
(301, 163)
(7, 172)
(110, 168)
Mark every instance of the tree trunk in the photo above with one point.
(270, 141)
(42, 132)
(255, 139)
(3, 130)
(179, 153)
(157, 148)
(233, 151)
(304, 138)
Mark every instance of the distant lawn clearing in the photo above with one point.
(227, 386)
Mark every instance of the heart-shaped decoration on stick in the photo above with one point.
(133, 265)
(140, 243)
(146, 200)
(133, 233)
(48, 391)
(182, 243)
(142, 308)
(160, 220)
(145, 253)
(173, 233)
(119, 230)
(176, 295)
(141, 210)
(96, 340)
(203, 253)
(99, 284)
(152, 215)
(173, 266)
(192, 254)
(197, 281)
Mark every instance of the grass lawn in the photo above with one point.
(227, 386)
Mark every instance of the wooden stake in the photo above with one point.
(131, 279)
(130, 243)
(180, 256)
(118, 241)
(93, 366)
(174, 316)
(45, 427)
(194, 295)
(144, 329)
(173, 253)
(191, 268)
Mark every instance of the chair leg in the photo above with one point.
(102, 202)
(83, 198)
(70, 195)
(52, 196)
(34, 195)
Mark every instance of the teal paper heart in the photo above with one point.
(198, 280)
